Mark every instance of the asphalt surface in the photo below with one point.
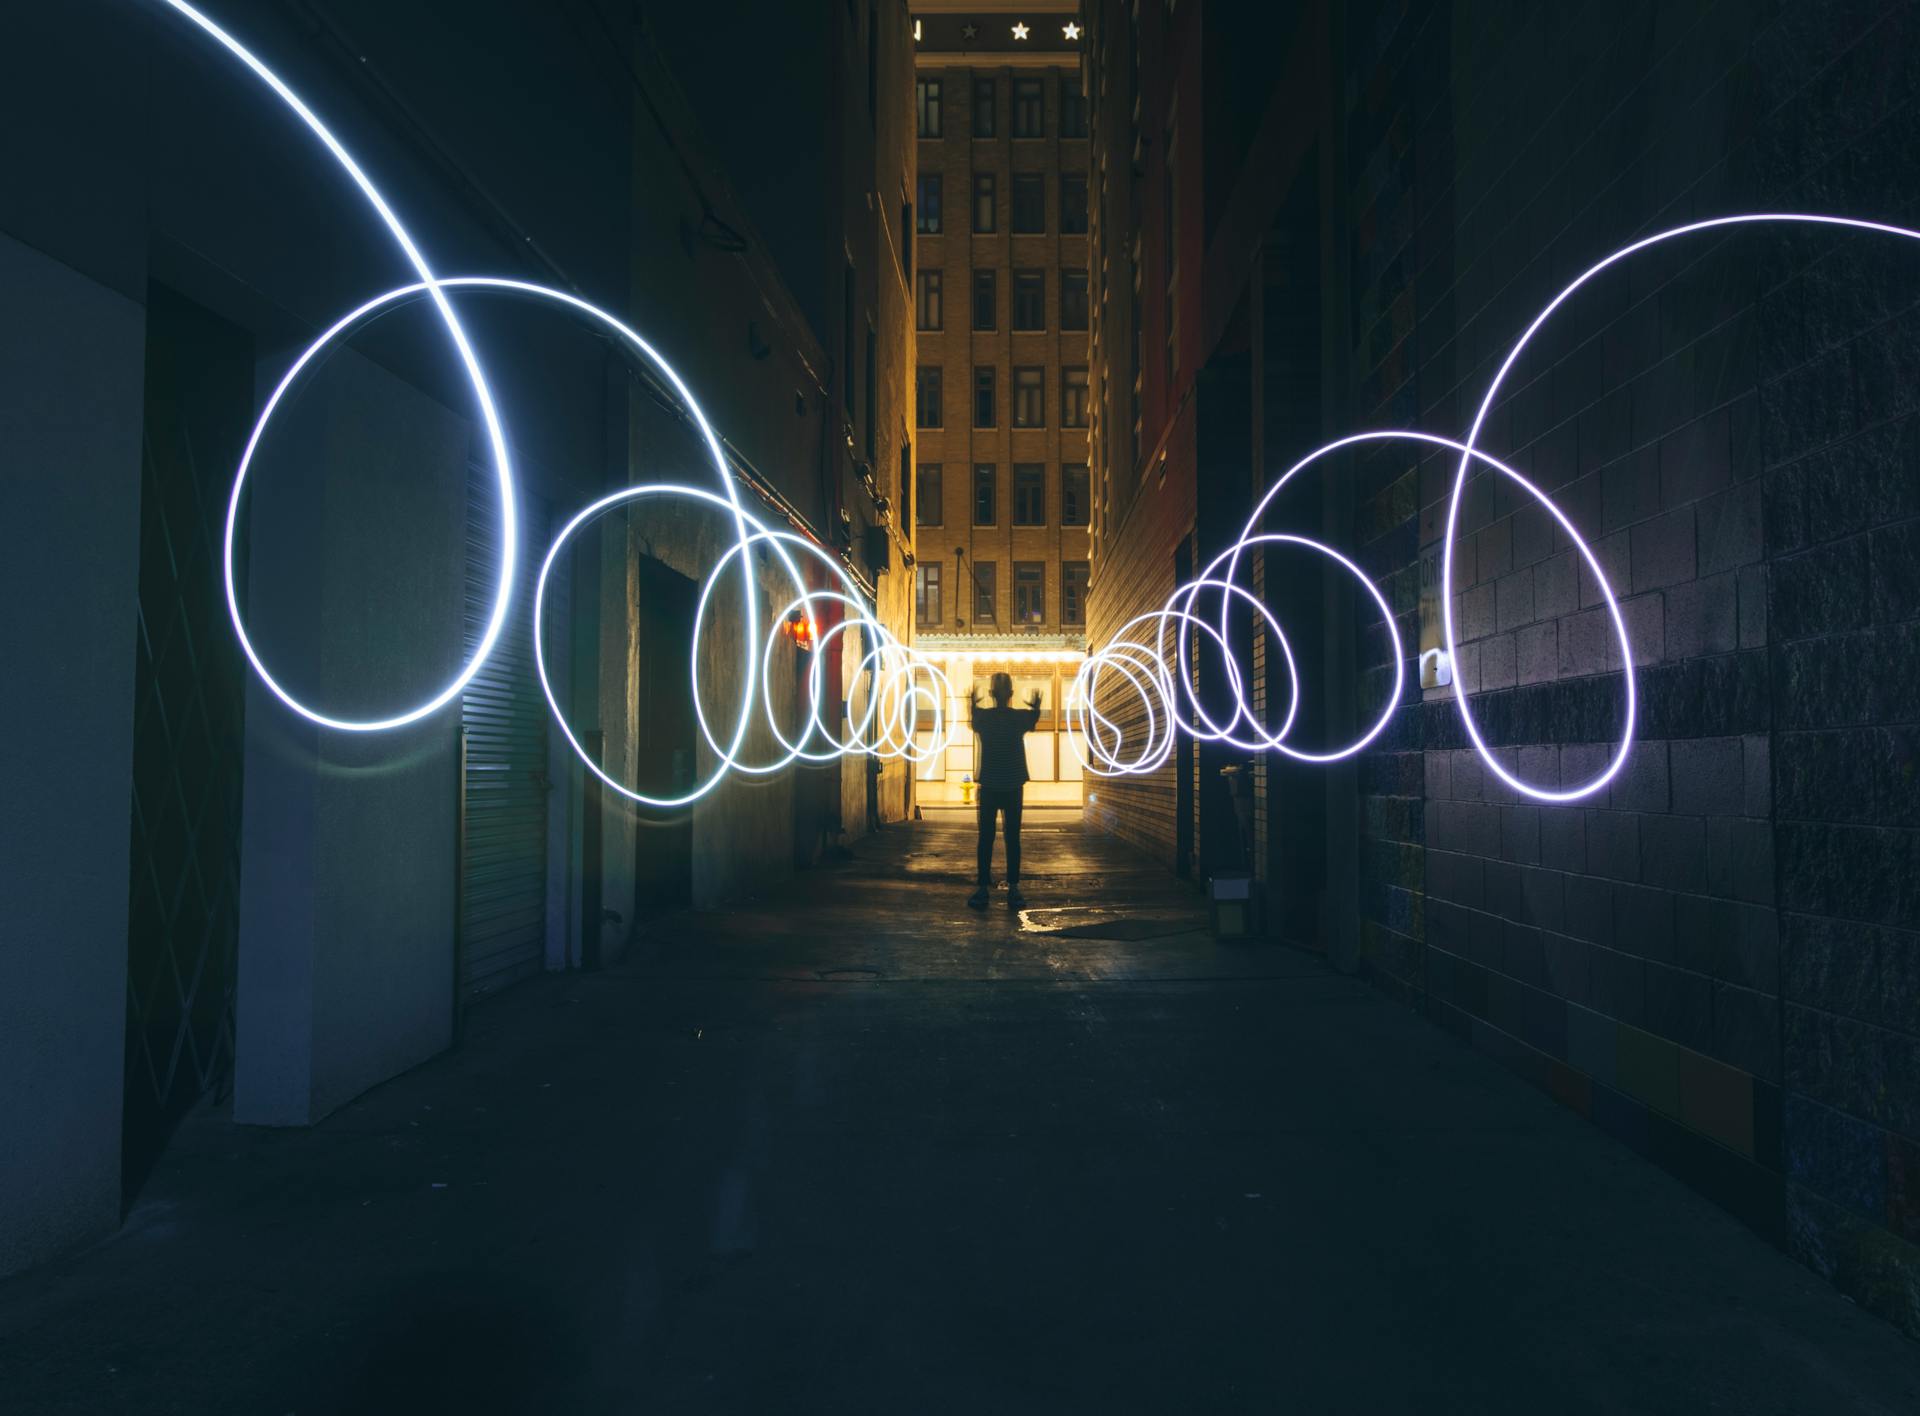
(855, 1148)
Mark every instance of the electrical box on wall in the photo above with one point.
(876, 546)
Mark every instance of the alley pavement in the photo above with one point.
(854, 1148)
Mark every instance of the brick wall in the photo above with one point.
(1717, 958)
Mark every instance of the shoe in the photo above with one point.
(978, 899)
(1015, 900)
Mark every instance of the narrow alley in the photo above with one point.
(856, 1148)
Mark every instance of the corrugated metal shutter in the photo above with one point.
(503, 881)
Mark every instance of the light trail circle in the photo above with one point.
(496, 435)
(1468, 451)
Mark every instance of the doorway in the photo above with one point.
(665, 755)
(188, 723)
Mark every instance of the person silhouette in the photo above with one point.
(1002, 777)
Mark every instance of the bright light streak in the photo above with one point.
(496, 436)
(897, 697)
(1147, 674)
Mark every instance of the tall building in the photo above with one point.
(1001, 500)
(1312, 221)
(237, 904)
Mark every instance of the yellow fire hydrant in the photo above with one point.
(966, 790)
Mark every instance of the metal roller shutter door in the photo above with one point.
(503, 878)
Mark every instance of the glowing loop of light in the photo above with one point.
(889, 725)
(1163, 685)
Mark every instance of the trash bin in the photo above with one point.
(1230, 892)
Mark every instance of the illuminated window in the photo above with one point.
(1029, 203)
(1029, 592)
(926, 396)
(985, 415)
(1029, 120)
(928, 222)
(1074, 576)
(984, 215)
(986, 501)
(1073, 299)
(1073, 202)
(986, 609)
(926, 94)
(986, 315)
(1029, 299)
(927, 492)
(928, 299)
(1029, 398)
(983, 105)
(1073, 494)
(927, 609)
(1073, 398)
(1029, 494)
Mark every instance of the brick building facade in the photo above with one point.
(1002, 499)
(1714, 959)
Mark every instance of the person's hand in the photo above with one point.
(1033, 700)
(973, 699)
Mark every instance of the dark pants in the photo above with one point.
(1007, 800)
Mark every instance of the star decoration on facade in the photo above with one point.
(1070, 30)
(1019, 31)
(969, 31)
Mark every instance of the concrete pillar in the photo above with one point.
(348, 869)
(70, 407)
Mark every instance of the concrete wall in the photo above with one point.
(1713, 959)
(153, 158)
(70, 378)
(347, 860)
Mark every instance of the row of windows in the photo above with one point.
(1029, 397)
(1029, 593)
(1029, 494)
(1029, 203)
(1029, 116)
(1029, 300)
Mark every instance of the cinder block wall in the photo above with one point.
(1718, 958)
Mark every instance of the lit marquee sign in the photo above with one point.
(1146, 664)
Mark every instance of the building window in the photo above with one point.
(927, 299)
(1073, 107)
(1073, 494)
(1029, 119)
(928, 222)
(873, 396)
(1029, 592)
(926, 396)
(1029, 398)
(927, 493)
(926, 594)
(985, 592)
(906, 484)
(1073, 299)
(847, 358)
(983, 202)
(1029, 203)
(926, 94)
(986, 498)
(1029, 299)
(986, 300)
(983, 95)
(1073, 398)
(985, 415)
(1074, 576)
(1073, 203)
(1029, 494)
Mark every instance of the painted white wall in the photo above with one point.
(347, 868)
(71, 370)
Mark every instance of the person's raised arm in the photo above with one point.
(1033, 707)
